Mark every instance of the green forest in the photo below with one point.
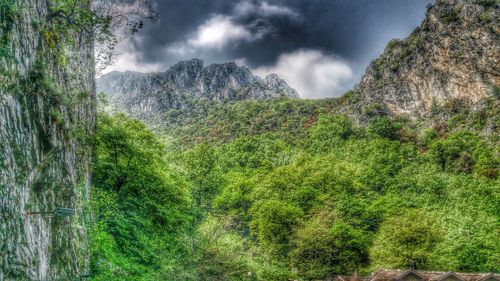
(287, 189)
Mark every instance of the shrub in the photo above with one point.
(273, 222)
(392, 44)
(374, 109)
(488, 3)
(384, 127)
(464, 152)
(410, 236)
(141, 208)
(8, 13)
(450, 16)
(428, 136)
(331, 127)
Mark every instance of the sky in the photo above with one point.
(320, 47)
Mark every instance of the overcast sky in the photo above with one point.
(320, 47)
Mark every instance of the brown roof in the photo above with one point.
(348, 278)
(396, 274)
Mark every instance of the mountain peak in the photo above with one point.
(452, 55)
(194, 63)
(188, 81)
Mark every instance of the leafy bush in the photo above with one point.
(450, 16)
(384, 127)
(322, 250)
(488, 3)
(8, 13)
(408, 237)
(273, 223)
(465, 152)
(331, 127)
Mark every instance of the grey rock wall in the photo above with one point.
(45, 152)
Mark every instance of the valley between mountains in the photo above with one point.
(268, 186)
(209, 172)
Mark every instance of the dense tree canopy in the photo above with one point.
(266, 204)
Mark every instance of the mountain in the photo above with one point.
(185, 83)
(288, 189)
(453, 55)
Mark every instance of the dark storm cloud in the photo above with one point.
(176, 19)
(261, 33)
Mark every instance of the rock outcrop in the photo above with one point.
(47, 112)
(142, 95)
(454, 54)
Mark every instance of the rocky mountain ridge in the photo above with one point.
(187, 82)
(453, 55)
(450, 60)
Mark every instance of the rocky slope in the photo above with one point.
(145, 95)
(453, 55)
(46, 112)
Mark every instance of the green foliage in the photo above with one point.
(224, 122)
(378, 66)
(235, 202)
(332, 127)
(428, 136)
(142, 209)
(77, 16)
(329, 131)
(322, 251)
(374, 109)
(384, 127)
(273, 223)
(350, 97)
(306, 196)
(403, 49)
(496, 92)
(204, 174)
(471, 239)
(8, 13)
(392, 44)
(465, 152)
(220, 253)
(451, 15)
(488, 3)
(487, 16)
(405, 238)
(256, 152)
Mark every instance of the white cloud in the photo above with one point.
(272, 10)
(241, 62)
(218, 32)
(130, 61)
(312, 73)
(263, 9)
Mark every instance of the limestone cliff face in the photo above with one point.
(46, 114)
(143, 95)
(454, 54)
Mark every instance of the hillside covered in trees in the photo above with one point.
(305, 196)
(290, 189)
